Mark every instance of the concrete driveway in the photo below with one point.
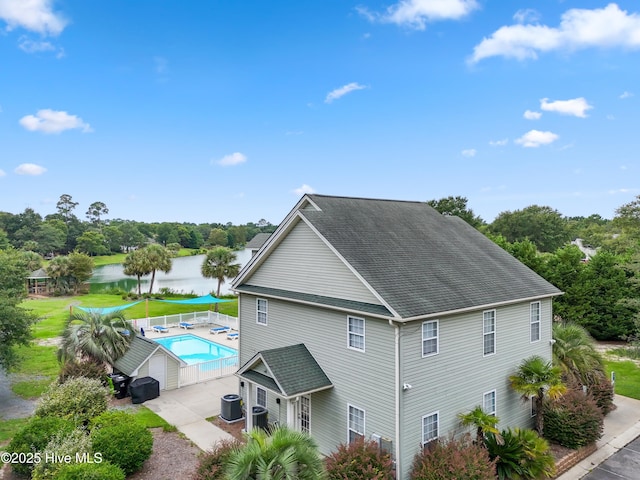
(625, 464)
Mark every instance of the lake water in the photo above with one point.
(184, 277)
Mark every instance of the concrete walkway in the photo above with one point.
(621, 427)
(188, 408)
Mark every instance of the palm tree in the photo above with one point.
(575, 353)
(96, 337)
(283, 455)
(157, 257)
(539, 379)
(219, 264)
(484, 423)
(135, 264)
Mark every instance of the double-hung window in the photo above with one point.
(261, 311)
(489, 331)
(430, 427)
(489, 402)
(356, 423)
(355, 327)
(429, 338)
(261, 397)
(535, 321)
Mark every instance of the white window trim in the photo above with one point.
(531, 322)
(257, 396)
(424, 442)
(437, 337)
(308, 399)
(495, 402)
(364, 420)
(494, 332)
(349, 333)
(258, 311)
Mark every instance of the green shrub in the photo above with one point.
(359, 460)
(127, 445)
(601, 390)
(574, 420)
(90, 471)
(75, 368)
(75, 443)
(34, 437)
(77, 399)
(453, 459)
(520, 454)
(112, 417)
(212, 464)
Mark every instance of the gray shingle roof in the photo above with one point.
(419, 261)
(294, 370)
(256, 242)
(141, 349)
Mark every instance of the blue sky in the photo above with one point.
(227, 111)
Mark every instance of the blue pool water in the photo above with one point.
(193, 349)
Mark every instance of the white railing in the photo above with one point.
(201, 372)
(205, 319)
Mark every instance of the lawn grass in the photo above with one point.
(37, 368)
(8, 428)
(627, 377)
(152, 420)
(101, 260)
(54, 312)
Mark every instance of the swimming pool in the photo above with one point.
(193, 349)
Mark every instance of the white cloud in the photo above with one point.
(499, 143)
(29, 169)
(235, 158)
(53, 121)
(2, 173)
(576, 106)
(33, 15)
(606, 27)
(417, 13)
(526, 15)
(304, 189)
(625, 95)
(531, 115)
(27, 45)
(469, 153)
(535, 138)
(340, 92)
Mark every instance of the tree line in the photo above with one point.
(63, 232)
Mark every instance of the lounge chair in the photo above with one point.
(185, 325)
(223, 329)
(159, 329)
(232, 336)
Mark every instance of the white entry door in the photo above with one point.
(158, 369)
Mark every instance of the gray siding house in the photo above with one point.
(384, 320)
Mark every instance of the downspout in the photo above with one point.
(397, 396)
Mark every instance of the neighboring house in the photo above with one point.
(256, 242)
(146, 358)
(384, 320)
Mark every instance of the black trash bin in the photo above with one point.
(231, 408)
(260, 417)
(143, 389)
(120, 384)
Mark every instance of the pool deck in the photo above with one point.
(188, 407)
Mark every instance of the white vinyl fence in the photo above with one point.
(201, 372)
(204, 319)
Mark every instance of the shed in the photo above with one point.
(256, 242)
(147, 358)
